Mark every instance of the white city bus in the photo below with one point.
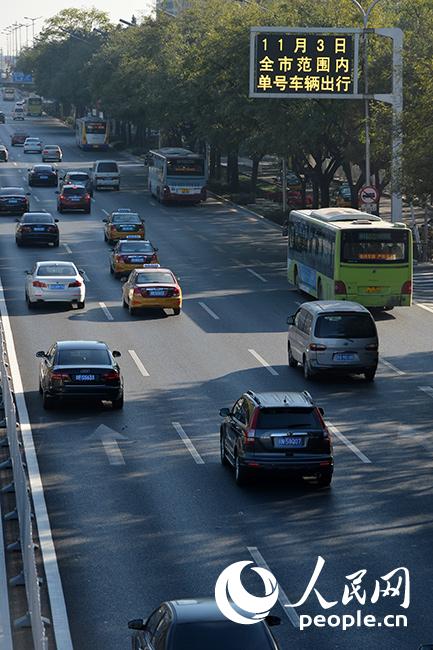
(92, 133)
(8, 94)
(177, 174)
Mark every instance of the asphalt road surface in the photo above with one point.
(155, 519)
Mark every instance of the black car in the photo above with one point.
(45, 175)
(37, 228)
(79, 370)
(77, 177)
(13, 200)
(4, 155)
(199, 625)
(2, 117)
(276, 432)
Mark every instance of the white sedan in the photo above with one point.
(32, 145)
(55, 282)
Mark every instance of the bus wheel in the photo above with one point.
(296, 278)
(319, 291)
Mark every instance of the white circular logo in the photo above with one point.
(253, 608)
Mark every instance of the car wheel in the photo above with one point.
(308, 373)
(291, 359)
(112, 271)
(47, 401)
(324, 479)
(60, 209)
(132, 310)
(87, 211)
(81, 305)
(30, 304)
(18, 243)
(370, 374)
(241, 473)
(176, 311)
(117, 403)
(319, 291)
(296, 280)
(41, 392)
(223, 456)
(56, 243)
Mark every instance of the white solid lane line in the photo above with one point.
(219, 248)
(67, 249)
(60, 623)
(106, 311)
(105, 212)
(209, 310)
(138, 363)
(285, 603)
(391, 367)
(257, 275)
(263, 361)
(188, 444)
(348, 443)
(36, 198)
(426, 389)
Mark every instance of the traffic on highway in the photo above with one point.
(160, 348)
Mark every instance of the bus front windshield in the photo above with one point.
(374, 246)
(185, 167)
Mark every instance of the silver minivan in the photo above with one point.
(105, 174)
(333, 335)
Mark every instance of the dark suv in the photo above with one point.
(276, 432)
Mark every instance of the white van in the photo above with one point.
(105, 173)
(18, 113)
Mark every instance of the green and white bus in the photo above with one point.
(33, 106)
(345, 254)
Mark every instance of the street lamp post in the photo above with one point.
(32, 20)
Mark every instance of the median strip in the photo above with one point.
(188, 444)
(263, 361)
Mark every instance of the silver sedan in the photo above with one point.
(55, 282)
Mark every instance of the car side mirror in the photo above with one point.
(57, 192)
(123, 280)
(27, 272)
(56, 220)
(137, 624)
(17, 220)
(116, 353)
(156, 249)
(321, 410)
(224, 412)
(28, 169)
(291, 320)
(272, 620)
(41, 354)
(105, 220)
(81, 271)
(28, 194)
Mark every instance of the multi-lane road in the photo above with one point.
(151, 514)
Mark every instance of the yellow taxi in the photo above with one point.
(152, 287)
(123, 225)
(127, 254)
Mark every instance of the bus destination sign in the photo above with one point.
(303, 64)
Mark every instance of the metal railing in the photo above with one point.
(23, 512)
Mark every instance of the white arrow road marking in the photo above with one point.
(263, 361)
(109, 439)
(285, 603)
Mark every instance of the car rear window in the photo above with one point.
(215, 635)
(89, 357)
(74, 191)
(136, 247)
(78, 177)
(126, 218)
(52, 147)
(37, 218)
(286, 418)
(56, 269)
(12, 191)
(107, 167)
(155, 277)
(345, 326)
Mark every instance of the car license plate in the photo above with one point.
(347, 356)
(132, 236)
(157, 292)
(373, 289)
(12, 201)
(134, 260)
(57, 287)
(38, 229)
(85, 377)
(43, 178)
(75, 198)
(184, 190)
(282, 442)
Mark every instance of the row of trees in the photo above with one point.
(188, 77)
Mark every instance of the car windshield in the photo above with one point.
(56, 269)
(37, 218)
(136, 247)
(286, 418)
(375, 246)
(74, 191)
(155, 277)
(215, 635)
(345, 326)
(126, 218)
(75, 357)
(107, 167)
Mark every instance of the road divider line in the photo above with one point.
(36, 198)
(60, 623)
(425, 306)
(428, 390)
(209, 310)
(263, 361)
(67, 249)
(106, 311)
(188, 444)
(219, 248)
(391, 366)
(138, 363)
(285, 603)
(257, 275)
(348, 443)
(202, 237)
(105, 211)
